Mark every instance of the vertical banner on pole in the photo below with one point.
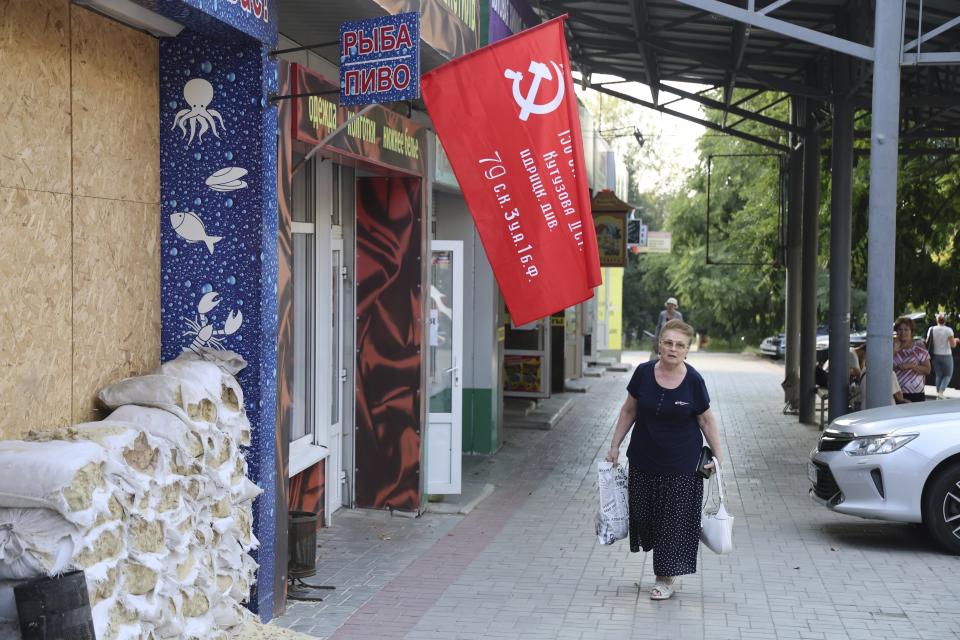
(507, 117)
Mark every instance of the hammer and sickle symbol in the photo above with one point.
(528, 103)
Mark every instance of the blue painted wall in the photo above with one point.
(211, 16)
(218, 222)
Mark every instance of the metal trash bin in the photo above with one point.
(55, 608)
(302, 544)
(302, 556)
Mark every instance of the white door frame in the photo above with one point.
(450, 444)
(335, 472)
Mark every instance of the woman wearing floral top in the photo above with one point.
(911, 361)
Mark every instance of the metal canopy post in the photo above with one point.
(881, 248)
(791, 380)
(841, 206)
(808, 255)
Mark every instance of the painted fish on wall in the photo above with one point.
(189, 226)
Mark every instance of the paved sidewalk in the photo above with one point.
(525, 562)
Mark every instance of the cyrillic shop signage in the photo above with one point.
(380, 59)
(372, 134)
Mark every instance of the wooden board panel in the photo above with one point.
(116, 94)
(35, 95)
(116, 302)
(35, 329)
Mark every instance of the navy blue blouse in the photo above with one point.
(666, 437)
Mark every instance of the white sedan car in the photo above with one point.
(899, 463)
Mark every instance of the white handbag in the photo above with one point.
(716, 524)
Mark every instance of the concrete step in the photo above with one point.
(576, 385)
(620, 367)
(593, 372)
(547, 414)
(600, 362)
(518, 406)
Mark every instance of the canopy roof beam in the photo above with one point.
(703, 57)
(641, 25)
(737, 111)
(705, 123)
(773, 6)
(738, 47)
(946, 26)
(782, 27)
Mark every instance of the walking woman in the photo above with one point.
(667, 400)
(911, 361)
(942, 341)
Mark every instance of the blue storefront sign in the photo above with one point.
(380, 59)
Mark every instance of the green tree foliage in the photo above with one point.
(747, 300)
(928, 203)
(724, 299)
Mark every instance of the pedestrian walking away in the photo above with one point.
(668, 409)
(941, 340)
(911, 361)
(671, 312)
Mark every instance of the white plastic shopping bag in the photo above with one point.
(716, 524)
(612, 521)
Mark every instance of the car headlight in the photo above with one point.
(875, 445)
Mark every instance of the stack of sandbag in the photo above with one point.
(153, 503)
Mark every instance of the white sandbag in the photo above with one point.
(188, 402)
(131, 631)
(168, 502)
(181, 535)
(102, 613)
(164, 425)
(191, 617)
(235, 586)
(140, 575)
(232, 416)
(146, 606)
(67, 477)
(184, 565)
(34, 543)
(228, 615)
(230, 361)
(201, 373)
(237, 527)
(219, 385)
(135, 456)
(103, 544)
(613, 515)
(103, 581)
(228, 557)
(220, 451)
(244, 490)
(145, 535)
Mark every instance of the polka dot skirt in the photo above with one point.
(665, 516)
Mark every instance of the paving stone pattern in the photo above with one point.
(526, 564)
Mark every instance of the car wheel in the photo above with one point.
(941, 508)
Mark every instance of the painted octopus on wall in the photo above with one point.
(198, 93)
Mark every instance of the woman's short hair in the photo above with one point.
(903, 321)
(678, 325)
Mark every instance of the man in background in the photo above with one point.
(671, 312)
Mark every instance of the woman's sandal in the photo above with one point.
(661, 591)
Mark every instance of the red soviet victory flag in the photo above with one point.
(507, 117)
